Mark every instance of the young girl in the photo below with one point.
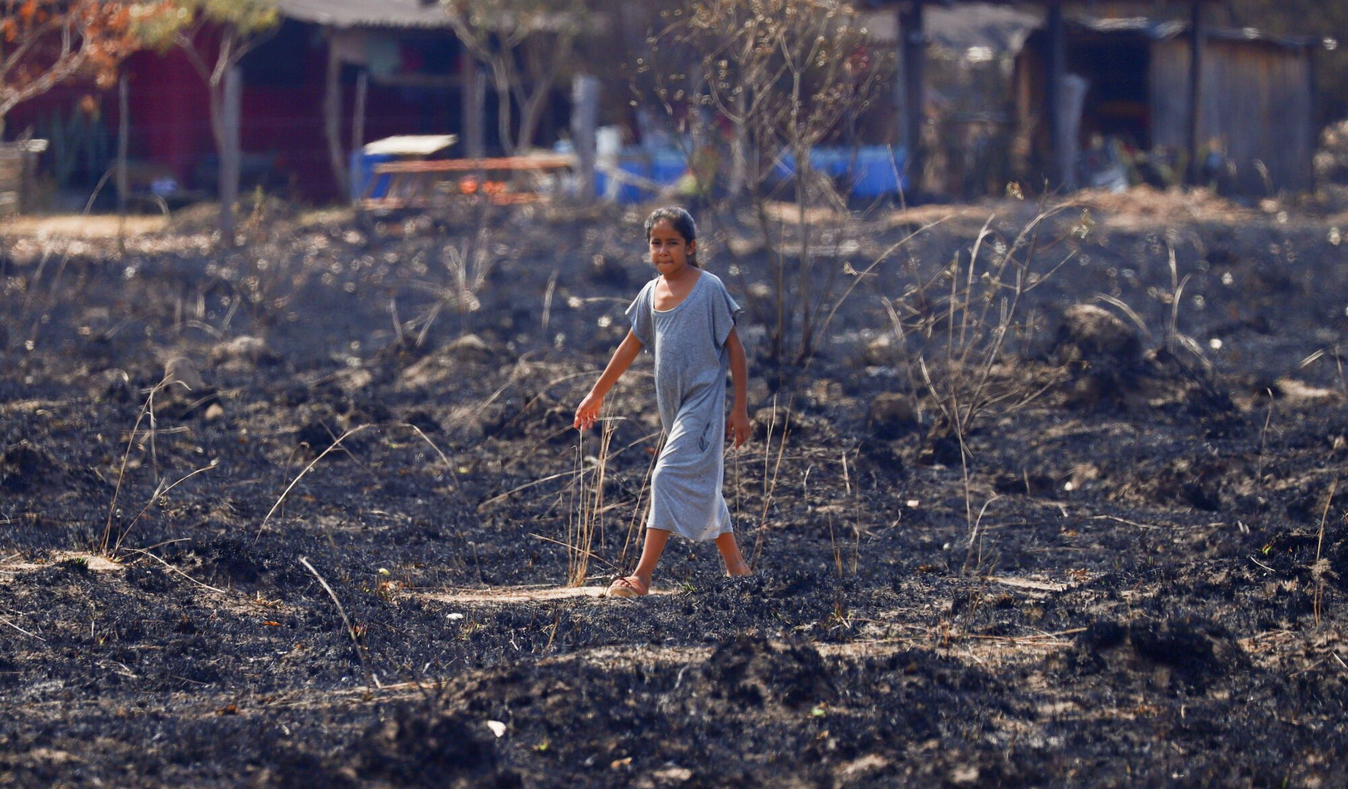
(687, 320)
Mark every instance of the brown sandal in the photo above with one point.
(631, 586)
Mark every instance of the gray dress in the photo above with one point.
(688, 343)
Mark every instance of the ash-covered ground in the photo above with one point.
(1134, 572)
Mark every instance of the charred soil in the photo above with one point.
(1144, 580)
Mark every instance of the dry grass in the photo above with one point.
(588, 517)
(334, 445)
(953, 329)
(107, 545)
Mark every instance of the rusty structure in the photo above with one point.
(1254, 125)
(1199, 92)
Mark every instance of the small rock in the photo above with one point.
(1099, 336)
(181, 376)
(246, 349)
(608, 271)
(470, 348)
(883, 351)
(673, 775)
(891, 416)
(214, 413)
(968, 774)
(112, 384)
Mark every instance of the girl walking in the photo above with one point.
(687, 320)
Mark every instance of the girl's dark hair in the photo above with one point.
(680, 220)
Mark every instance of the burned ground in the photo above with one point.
(1154, 593)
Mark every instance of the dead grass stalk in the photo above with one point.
(334, 445)
(370, 680)
(589, 518)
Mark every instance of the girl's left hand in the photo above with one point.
(737, 427)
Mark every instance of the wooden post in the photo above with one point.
(358, 130)
(1055, 69)
(1196, 36)
(332, 117)
(474, 113)
(584, 118)
(230, 156)
(739, 146)
(123, 133)
(914, 60)
(358, 117)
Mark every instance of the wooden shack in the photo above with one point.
(1255, 114)
(18, 165)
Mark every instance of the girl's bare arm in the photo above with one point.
(587, 413)
(738, 425)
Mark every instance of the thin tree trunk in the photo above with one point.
(358, 129)
(584, 115)
(503, 111)
(229, 152)
(332, 118)
(738, 146)
(530, 115)
(475, 121)
(123, 132)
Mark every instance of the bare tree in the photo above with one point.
(527, 45)
(45, 42)
(783, 74)
(215, 35)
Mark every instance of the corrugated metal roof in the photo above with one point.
(366, 13)
(1161, 30)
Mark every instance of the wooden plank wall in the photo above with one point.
(16, 176)
(1256, 98)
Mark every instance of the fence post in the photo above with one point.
(332, 116)
(230, 163)
(123, 132)
(584, 118)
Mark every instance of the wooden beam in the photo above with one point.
(474, 111)
(912, 34)
(584, 119)
(230, 156)
(1196, 36)
(332, 118)
(1054, 70)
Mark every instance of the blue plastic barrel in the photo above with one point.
(866, 171)
(362, 173)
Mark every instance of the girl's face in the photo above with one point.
(669, 249)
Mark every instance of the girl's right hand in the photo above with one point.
(587, 413)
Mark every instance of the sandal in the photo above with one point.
(631, 586)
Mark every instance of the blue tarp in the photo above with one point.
(866, 171)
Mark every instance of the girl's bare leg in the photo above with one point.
(650, 554)
(730, 552)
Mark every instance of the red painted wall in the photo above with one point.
(170, 118)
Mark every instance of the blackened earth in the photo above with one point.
(1154, 592)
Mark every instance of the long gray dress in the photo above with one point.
(688, 343)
